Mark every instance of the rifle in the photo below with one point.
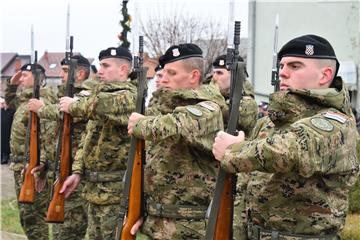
(275, 65)
(221, 209)
(56, 210)
(132, 203)
(32, 145)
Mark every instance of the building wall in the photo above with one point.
(337, 21)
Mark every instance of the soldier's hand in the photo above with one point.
(223, 140)
(135, 228)
(70, 184)
(65, 103)
(35, 104)
(133, 119)
(15, 79)
(40, 182)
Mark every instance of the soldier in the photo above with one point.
(101, 159)
(307, 145)
(179, 173)
(248, 111)
(18, 93)
(75, 224)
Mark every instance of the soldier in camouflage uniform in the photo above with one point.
(101, 159)
(248, 111)
(306, 146)
(76, 220)
(179, 128)
(18, 93)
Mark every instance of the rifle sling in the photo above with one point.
(176, 211)
(115, 176)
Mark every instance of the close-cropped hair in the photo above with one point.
(194, 63)
(86, 70)
(121, 61)
(327, 63)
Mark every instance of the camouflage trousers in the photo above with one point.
(240, 220)
(103, 220)
(165, 228)
(32, 216)
(76, 218)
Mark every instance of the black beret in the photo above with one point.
(309, 46)
(29, 67)
(220, 61)
(113, 52)
(179, 52)
(81, 61)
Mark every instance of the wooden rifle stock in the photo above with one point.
(221, 212)
(135, 195)
(224, 218)
(56, 210)
(32, 145)
(27, 192)
(132, 203)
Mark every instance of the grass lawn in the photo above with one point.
(10, 221)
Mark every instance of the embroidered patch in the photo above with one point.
(207, 106)
(113, 52)
(175, 52)
(194, 111)
(309, 50)
(322, 124)
(335, 116)
(84, 93)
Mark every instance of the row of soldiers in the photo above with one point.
(294, 166)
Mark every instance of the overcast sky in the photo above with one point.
(93, 23)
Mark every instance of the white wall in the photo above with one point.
(337, 21)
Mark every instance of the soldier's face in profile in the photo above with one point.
(299, 73)
(110, 70)
(176, 76)
(221, 77)
(159, 78)
(64, 73)
(26, 79)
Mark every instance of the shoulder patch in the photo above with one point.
(194, 111)
(322, 124)
(207, 106)
(335, 116)
(84, 93)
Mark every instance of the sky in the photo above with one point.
(94, 23)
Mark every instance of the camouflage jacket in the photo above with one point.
(179, 130)
(19, 101)
(51, 112)
(307, 146)
(104, 146)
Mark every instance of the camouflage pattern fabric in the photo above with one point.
(32, 216)
(180, 169)
(106, 141)
(104, 149)
(307, 146)
(102, 221)
(76, 219)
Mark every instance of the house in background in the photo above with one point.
(10, 64)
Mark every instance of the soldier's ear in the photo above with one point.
(327, 76)
(195, 76)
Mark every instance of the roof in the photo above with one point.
(11, 62)
(51, 61)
